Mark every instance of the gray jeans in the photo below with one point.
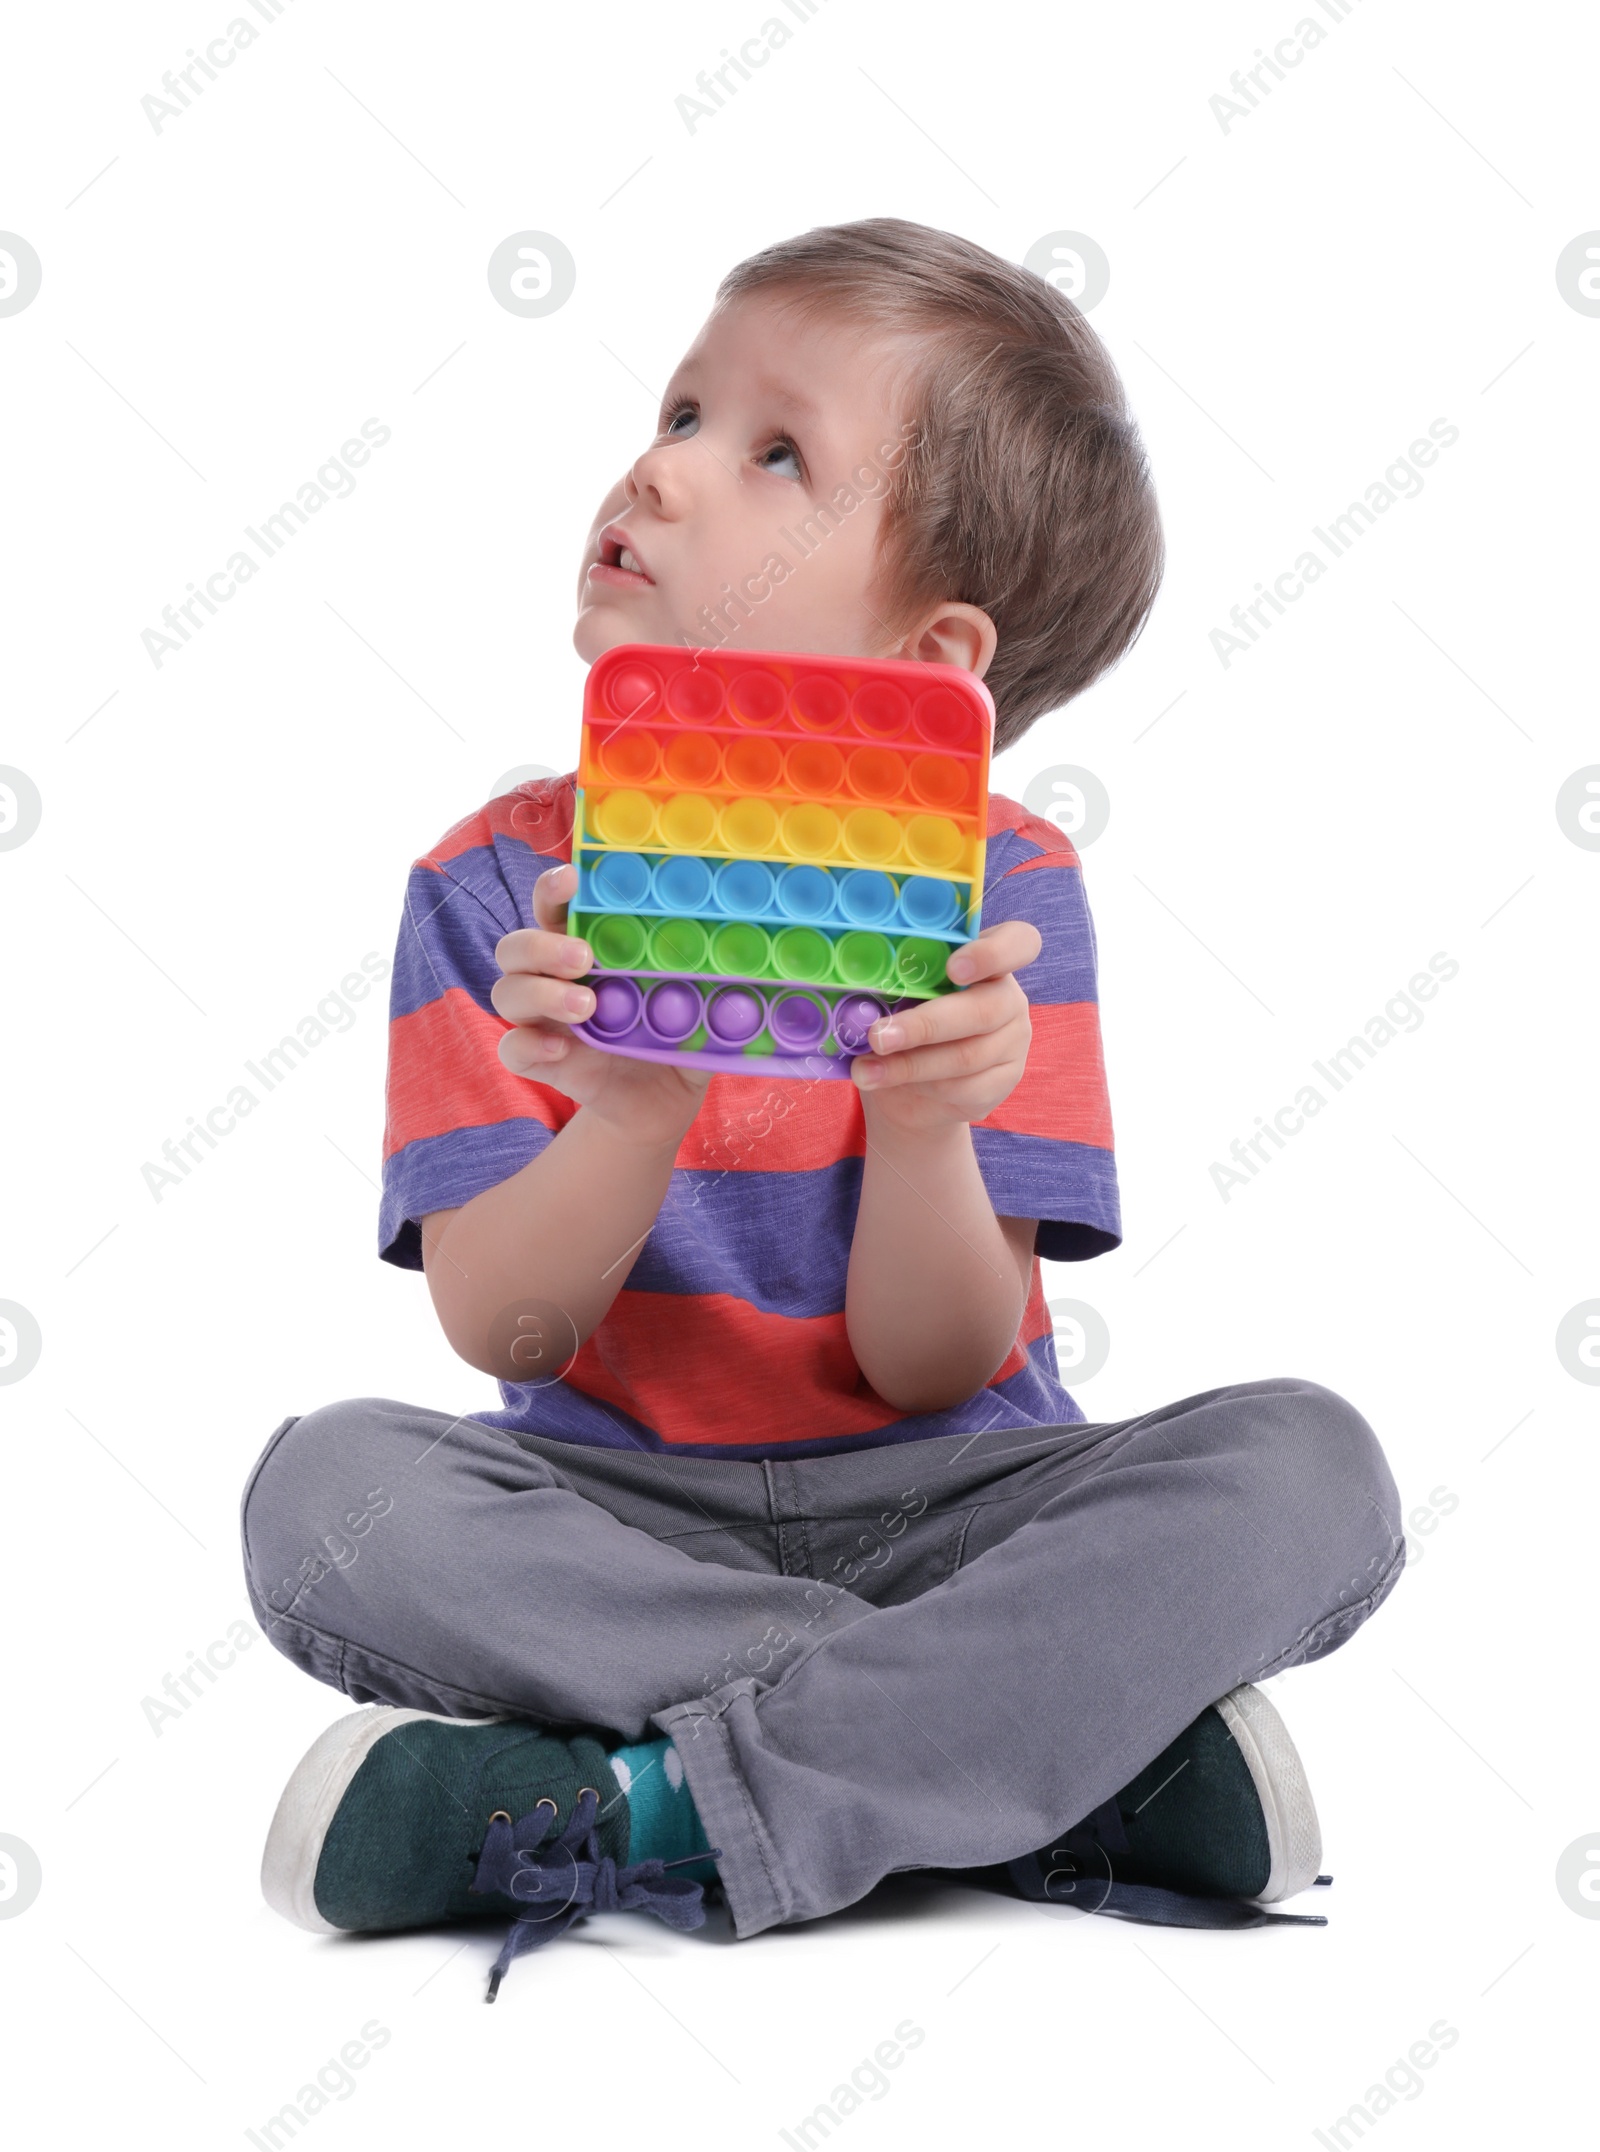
(935, 1654)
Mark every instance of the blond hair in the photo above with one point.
(1025, 489)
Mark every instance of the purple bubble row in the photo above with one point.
(669, 1011)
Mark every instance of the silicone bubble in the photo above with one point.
(617, 1003)
(753, 765)
(620, 880)
(810, 831)
(734, 1015)
(939, 780)
(934, 841)
(739, 951)
(877, 773)
(632, 690)
(693, 759)
(863, 959)
(628, 755)
(921, 964)
(758, 698)
(798, 1023)
(618, 941)
(928, 904)
(815, 770)
(819, 703)
(866, 897)
(625, 818)
(744, 890)
(678, 945)
(872, 835)
(682, 884)
(805, 892)
(944, 720)
(688, 821)
(881, 709)
(853, 1019)
(695, 693)
(750, 825)
(801, 953)
(672, 1010)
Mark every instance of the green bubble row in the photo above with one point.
(907, 964)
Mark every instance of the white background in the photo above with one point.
(1291, 837)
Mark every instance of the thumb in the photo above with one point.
(552, 893)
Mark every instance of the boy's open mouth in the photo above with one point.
(618, 563)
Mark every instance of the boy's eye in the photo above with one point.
(783, 450)
(781, 457)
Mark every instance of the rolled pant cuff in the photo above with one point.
(748, 1864)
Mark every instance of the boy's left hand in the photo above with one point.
(956, 1057)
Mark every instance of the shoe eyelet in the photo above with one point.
(582, 1790)
(500, 1815)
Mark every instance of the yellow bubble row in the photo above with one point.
(756, 829)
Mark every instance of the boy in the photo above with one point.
(788, 1532)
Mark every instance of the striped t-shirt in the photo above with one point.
(728, 1338)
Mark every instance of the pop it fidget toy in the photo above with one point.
(773, 850)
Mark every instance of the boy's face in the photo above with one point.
(738, 518)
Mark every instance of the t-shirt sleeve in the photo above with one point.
(457, 1121)
(1047, 1152)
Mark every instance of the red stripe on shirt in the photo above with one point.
(738, 1374)
(1063, 1088)
(736, 1368)
(1010, 815)
(750, 1124)
(445, 1073)
(540, 815)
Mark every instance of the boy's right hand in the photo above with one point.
(649, 1102)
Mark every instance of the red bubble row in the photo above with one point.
(818, 702)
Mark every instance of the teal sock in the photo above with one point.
(664, 1823)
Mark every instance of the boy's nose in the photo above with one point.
(662, 479)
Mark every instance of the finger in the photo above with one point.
(523, 997)
(954, 1058)
(536, 950)
(552, 893)
(950, 1016)
(1006, 946)
(529, 1049)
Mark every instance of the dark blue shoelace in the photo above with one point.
(571, 1875)
(1080, 1872)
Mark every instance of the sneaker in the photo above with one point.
(1217, 1828)
(399, 1819)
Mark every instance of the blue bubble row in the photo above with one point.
(681, 885)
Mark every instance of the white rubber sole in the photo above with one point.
(1294, 1837)
(310, 1801)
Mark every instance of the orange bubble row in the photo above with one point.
(876, 709)
(811, 769)
(757, 829)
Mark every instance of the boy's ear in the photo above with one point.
(954, 634)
